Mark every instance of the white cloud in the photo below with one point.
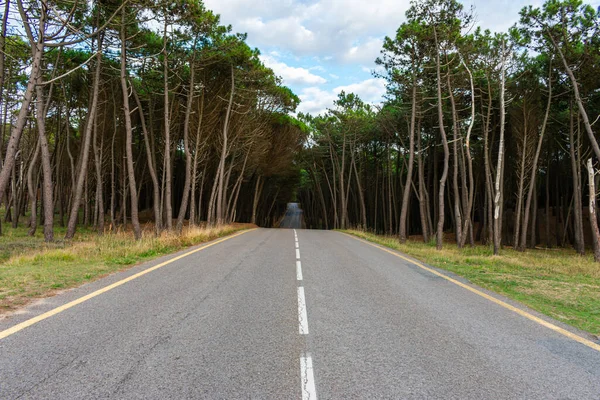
(316, 100)
(370, 90)
(292, 75)
(325, 28)
(365, 52)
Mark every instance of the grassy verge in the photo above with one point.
(30, 269)
(558, 283)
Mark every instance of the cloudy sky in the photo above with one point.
(320, 47)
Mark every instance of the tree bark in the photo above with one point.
(440, 223)
(536, 158)
(457, 202)
(195, 165)
(592, 210)
(186, 148)
(151, 167)
(167, 162)
(33, 191)
(411, 159)
(16, 132)
(577, 193)
(87, 138)
(98, 150)
(468, 225)
(221, 169)
(135, 222)
(499, 167)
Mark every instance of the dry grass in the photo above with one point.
(558, 283)
(30, 269)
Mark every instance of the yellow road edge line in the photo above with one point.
(57, 310)
(558, 329)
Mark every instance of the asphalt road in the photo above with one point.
(258, 317)
(293, 218)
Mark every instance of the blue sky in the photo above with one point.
(320, 47)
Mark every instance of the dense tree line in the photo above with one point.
(483, 137)
(119, 112)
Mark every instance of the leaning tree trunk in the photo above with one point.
(455, 161)
(584, 115)
(33, 191)
(592, 211)
(536, 158)
(487, 168)
(135, 222)
(221, 170)
(186, 149)
(48, 196)
(423, 200)
(17, 130)
(440, 222)
(411, 160)
(361, 198)
(167, 122)
(578, 206)
(99, 180)
(87, 139)
(468, 226)
(521, 184)
(151, 167)
(195, 165)
(2, 52)
(498, 184)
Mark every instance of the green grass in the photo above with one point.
(30, 268)
(557, 283)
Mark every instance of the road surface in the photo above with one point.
(288, 314)
(293, 218)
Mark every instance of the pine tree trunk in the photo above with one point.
(137, 231)
(455, 161)
(534, 168)
(17, 130)
(499, 168)
(186, 149)
(99, 181)
(440, 222)
(592, 210)
(151, 167)
(221, 169)
(167, 162)
(411, 159)
(578, 205)
(33, 191)
(87, 138)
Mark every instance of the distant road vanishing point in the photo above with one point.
(294, 217)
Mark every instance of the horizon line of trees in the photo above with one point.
(488, 138)
(120, 112)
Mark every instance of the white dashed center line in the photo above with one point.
(298, 270)
(302, 316)
(307, 375)
(308, 378)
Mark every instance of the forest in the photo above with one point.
(120, 112)
(153, 116)
(483, 137)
